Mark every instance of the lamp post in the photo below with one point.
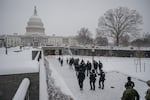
(93, 51)
(5, 44)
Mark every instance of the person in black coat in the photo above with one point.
(76, 66)
(101, 79)
(95, 65)
(61, 62)
(67, 61)
(88, 67)
(100, 66)
(59, 59)
(81, 77)
(71, 62)
(82, 66)
(129, 83)
(92, 79)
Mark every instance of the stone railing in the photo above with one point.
(23, 92)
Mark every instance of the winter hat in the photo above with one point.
(148, 83)
(129, 78)
(93, 71)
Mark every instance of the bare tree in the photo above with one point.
(84, 36)
(143, 41)
(125, 40)
(100, 39)
(119, 21)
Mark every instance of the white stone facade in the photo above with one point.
(35, 41)
(13, 41)
(55, 41)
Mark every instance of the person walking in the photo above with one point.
(61, 62)
(92, 79)
(67, 60)
(88, 67)
(100, 65)
(130, 93)
(76, 66)
(101, 79)
(95, 65)
(81, 77)
(129, 82)
(147, 97)
(82, 66)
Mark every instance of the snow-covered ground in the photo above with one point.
(117, 69)
(17, 61)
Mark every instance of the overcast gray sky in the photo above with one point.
(64, 17)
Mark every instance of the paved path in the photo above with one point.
(113, 79)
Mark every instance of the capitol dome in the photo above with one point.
(35, 25)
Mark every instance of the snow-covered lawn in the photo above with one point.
(117, 69)
(17, 61)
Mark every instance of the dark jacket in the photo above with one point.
(100, 65)
(130, 83)
(93, 76)
(88, 66)
(81, 76)
(102, 76)
(95, 64)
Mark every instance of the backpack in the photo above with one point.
(102, 76)
(92, 76)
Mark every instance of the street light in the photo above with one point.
(5, 44)
(93, 50)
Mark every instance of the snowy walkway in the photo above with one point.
(113, 79)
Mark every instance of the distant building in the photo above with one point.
(35, 25)
(35, 32)
(35, 36)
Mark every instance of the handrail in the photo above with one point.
(22, 90)
(37, 56)
(43, 80)
(69, 51)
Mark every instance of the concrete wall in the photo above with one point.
(97, 52)
(10, 83)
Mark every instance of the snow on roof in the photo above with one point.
(17, 61)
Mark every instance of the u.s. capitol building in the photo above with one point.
(35, 36)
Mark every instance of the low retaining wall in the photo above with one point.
(10, 83)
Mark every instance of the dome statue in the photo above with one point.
(35, 25)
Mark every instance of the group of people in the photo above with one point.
(61, 61)
(94, 69)
(91, 70)
(131, 94)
